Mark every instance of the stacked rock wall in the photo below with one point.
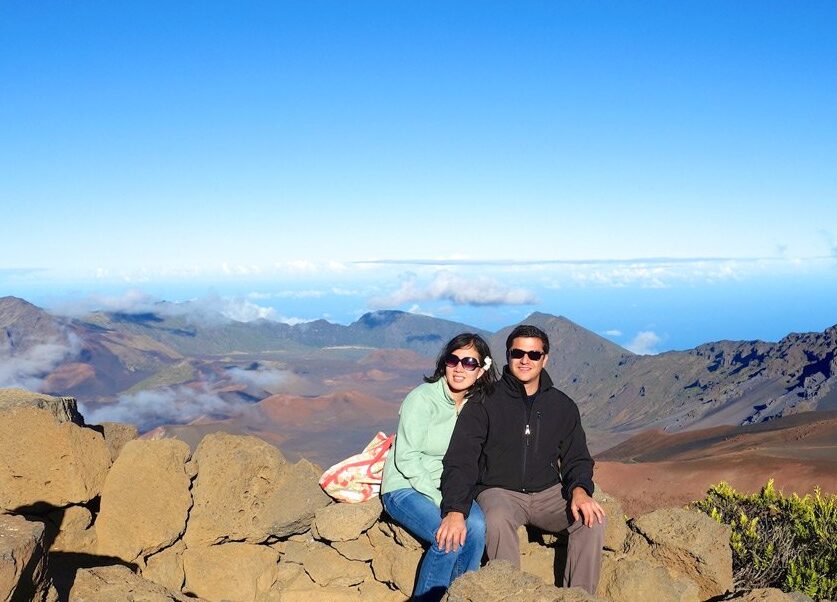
(122, 518)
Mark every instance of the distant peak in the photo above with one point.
(10, 301)
(384, 317)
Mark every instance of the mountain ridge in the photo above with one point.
(618, 392)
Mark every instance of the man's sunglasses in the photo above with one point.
(468, 363)
(519, 353)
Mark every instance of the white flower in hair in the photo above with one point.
(486, 364)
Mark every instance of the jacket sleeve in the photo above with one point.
(410, 445)
(576, 462)
(461, 462)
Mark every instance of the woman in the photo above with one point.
(413, 470)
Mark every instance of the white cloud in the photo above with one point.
(645, 276)
(178, 405)
(298, 266)
(346, 292)
(613, 333)
(415, 308)
(644, 343)
(132, 301)
(457, 289)
(242, 310)
(262, 378)
(240, 270)
(29, 368)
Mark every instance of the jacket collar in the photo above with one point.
(448, 398)
(512, 385)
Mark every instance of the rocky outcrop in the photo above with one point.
(500, 581)
(246, 491)
(346, 522)
(689, 544)
(230, 571)
(47, 462)
(145, 500)
(116, 436)
(627, 579)
(237, 522)
(64, 409)
(75, 530)
(23, 561)
(395, 556)
(616, 530)
(111, 583)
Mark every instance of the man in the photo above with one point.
(523, 453)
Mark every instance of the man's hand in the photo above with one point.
(586, 507)
(451, 533)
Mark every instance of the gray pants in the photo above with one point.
(505, 511)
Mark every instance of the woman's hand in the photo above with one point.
(586, 507)
(451, 533)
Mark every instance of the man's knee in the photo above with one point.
(497, 522)
(592, 536)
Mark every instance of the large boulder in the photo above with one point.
(145, 501)
(75, 533)
(116, 435)
(345, 522)
(235, 572)
(23, 561)
(688, 543)
(357, 549)
(626, 579)
(393, 562)
(326, 566)
(500, 580)
(616, 529)
(64, 409)
(44, 462)
(246, 491)
(291, 576)
(166, 567)
(296, 500)
(111, 583)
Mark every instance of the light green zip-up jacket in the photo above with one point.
(427, 417)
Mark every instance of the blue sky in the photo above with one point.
(640, 167)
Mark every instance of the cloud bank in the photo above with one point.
(265, 379)
(29, 368)
(447, 286)
(209, 309)
(171, 405)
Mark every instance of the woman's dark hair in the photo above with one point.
(485, 383)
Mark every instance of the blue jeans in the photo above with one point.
(421, 517)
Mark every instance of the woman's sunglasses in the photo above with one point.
(468, 363)
(519, 353)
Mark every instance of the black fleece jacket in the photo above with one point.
(505, 441)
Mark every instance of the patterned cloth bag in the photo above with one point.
(358, 478)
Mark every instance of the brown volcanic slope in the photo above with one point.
(326, 412)
(23, 325)
(714, 384)
(656, 469)
(327, 428)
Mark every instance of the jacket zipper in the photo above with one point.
(527, 437)
(537, 428)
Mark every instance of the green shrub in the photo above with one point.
(778, 541)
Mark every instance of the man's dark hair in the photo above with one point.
(484, 385)
(530, 332)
